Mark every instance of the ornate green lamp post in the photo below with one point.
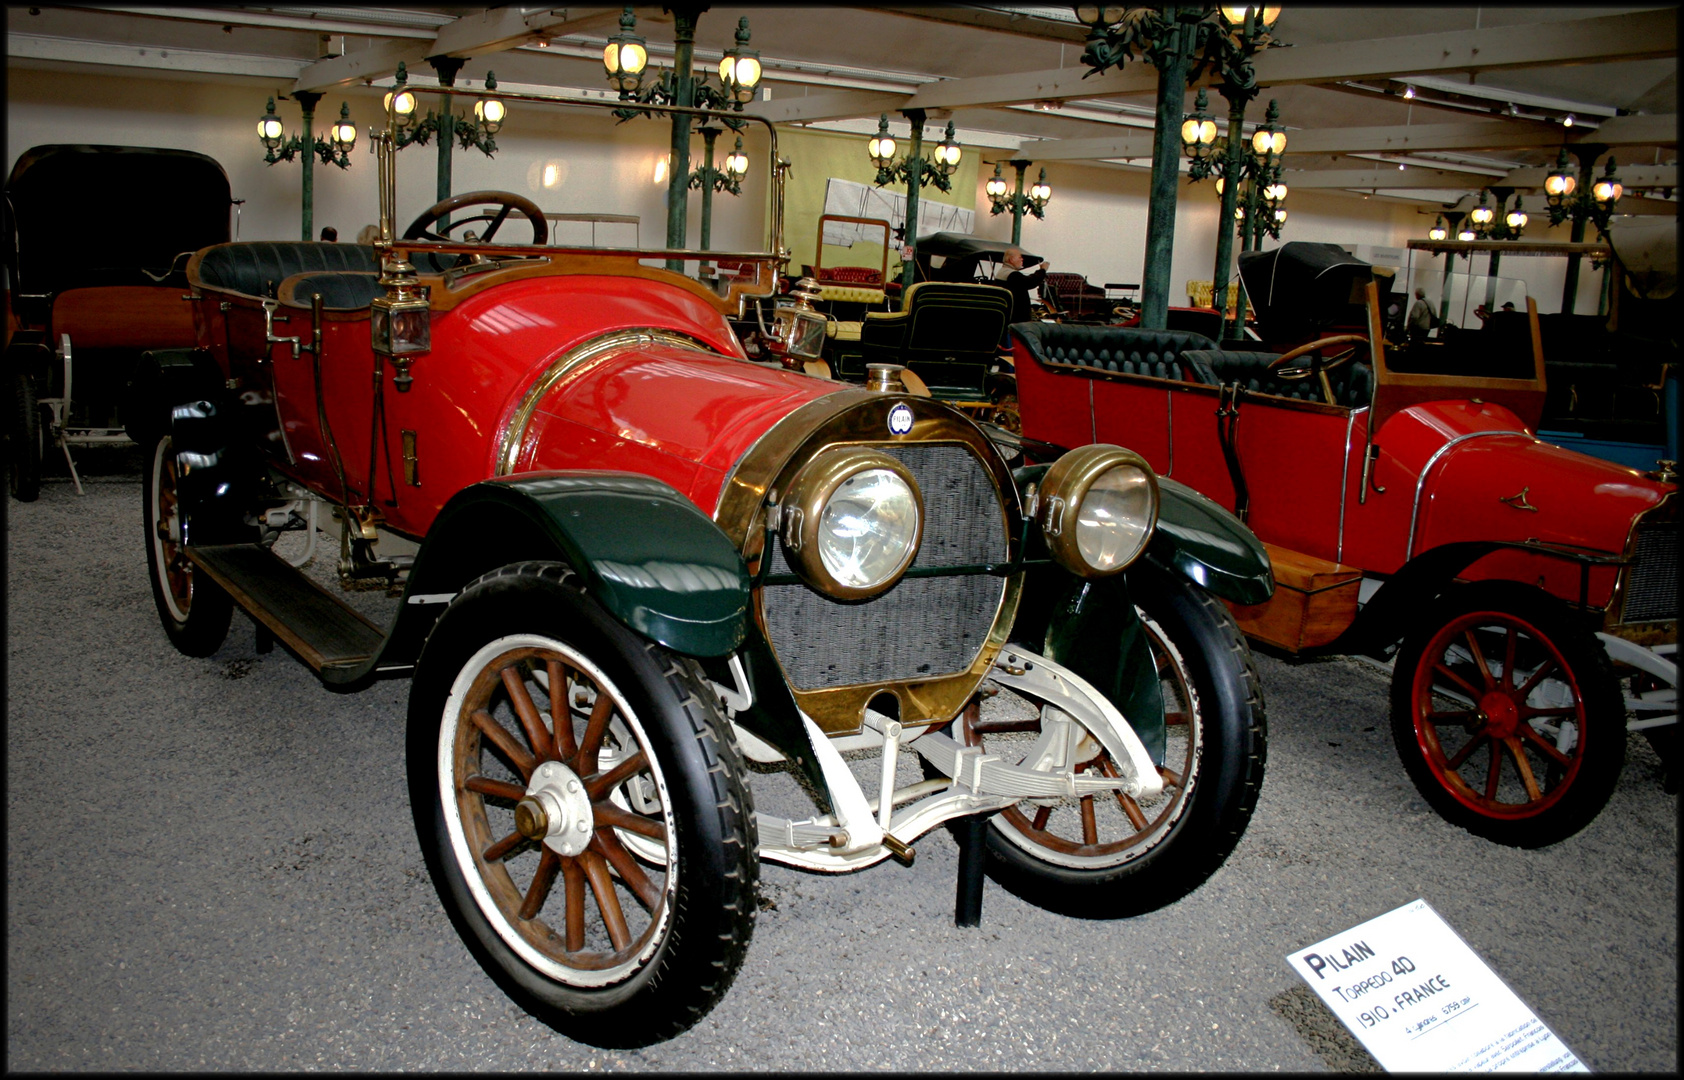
(728, 178)
(1017, 203)
(626, 58)
(914, 171)
(1567, 197)
(335, 150)
(478, 133)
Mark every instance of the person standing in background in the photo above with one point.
(1010, 273)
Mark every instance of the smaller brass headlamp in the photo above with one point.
(400, 322)
(798, 329)
(1097, 508)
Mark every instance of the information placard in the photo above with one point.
(1421, 1000)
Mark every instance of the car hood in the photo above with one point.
(1481, 475)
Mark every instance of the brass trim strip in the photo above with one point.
(573, 361)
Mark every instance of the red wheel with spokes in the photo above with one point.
(1507, 715)
(583, 810)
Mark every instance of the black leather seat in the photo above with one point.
(1353, 383)
(339, 291)
(947, 333)
(1127, 350)
(257, 268)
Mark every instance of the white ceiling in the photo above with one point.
(995, 69)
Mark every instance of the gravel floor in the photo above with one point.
(210, 865)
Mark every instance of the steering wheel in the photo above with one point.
(504, 202)
(1317, 366)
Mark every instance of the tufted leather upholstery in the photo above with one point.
(1124, 349)
(851, 275)
(1353, 383)
(948, 333)
(340, 291)
(256, 268)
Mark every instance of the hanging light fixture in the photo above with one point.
(1198, 131)
(1041, 191)
(1607, 189)
(490, 112)
(946, 153)
(625, 56)
(343, 133)
(269, 128)
(739, 69)
(1438, 231)
(881, 146)
(736, 162)
(1516, 219)
(1560, 184)
(995, 189)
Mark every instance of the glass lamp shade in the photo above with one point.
(1558, 186)
(400, 327)
(1482, 215)
(946, 153)
(1103, 14)
(1607, 191)
(624, 59)
(1467, 234)
(740, 73)
(401, 105)
(1235, 14)
(344, 134)
(996, 186)
(1221, 182)
(1437, 232)
(1274, 192)
(1040, 191)
(881, 146)
(490, 113)
(1280, 217)
(1516, 219)
(270, 130)
(1264, 141)
(736, 162)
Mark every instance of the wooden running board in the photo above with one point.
(322, 629)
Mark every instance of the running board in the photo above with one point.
(322, 629)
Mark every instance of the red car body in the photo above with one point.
(1421, 483)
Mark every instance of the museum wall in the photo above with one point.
(572, 162)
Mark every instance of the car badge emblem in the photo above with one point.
(1519, 501)
(900, 420)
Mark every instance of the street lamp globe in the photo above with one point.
(996, 186)
(736, 162)
(1041, 191)
(269, 127)
(881, 146)
(947, 152)
(344, 132)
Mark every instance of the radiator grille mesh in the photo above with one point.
(1652, 587)
(921, 628)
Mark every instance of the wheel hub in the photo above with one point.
(1500, 715)
(556, 810)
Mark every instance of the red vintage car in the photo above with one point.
(1527, 593)
(631, 560)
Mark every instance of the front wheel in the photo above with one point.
(195, 610)
(25, 438)
(582, 809)
(1111, 856)
(1507, 715)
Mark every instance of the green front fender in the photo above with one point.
(1206, 544)
(647, 554)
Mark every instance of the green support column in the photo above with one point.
(1166, 172)
(915, 181)
(709, 134)
(1235, 165)
(684, 21)
(1017, 202)
(307, 103)
(446, 67)
(1587, 154)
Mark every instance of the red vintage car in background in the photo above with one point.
(1526, 594)
(630, 560)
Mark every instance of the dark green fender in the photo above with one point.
(646, 553)
(1090, 625)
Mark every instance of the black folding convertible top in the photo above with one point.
(1301, 288)
(80, 214)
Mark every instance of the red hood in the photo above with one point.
(1479, 457)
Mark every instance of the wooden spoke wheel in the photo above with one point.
(583, 809)
(1507, 716)
(195, 610)
(560, 805)
(1110, 855)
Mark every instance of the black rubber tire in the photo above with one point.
(1571, 788)
(1227, 747)
(25, 440)
(698, 933)
(195, 610)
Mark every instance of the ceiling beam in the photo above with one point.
(1653, 129)
(812, 108)
(477, 34)
(1639, 36)
(1105, 146)
(1643, 35)
(1412, 177)
(148, 57)
(1009, 22)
